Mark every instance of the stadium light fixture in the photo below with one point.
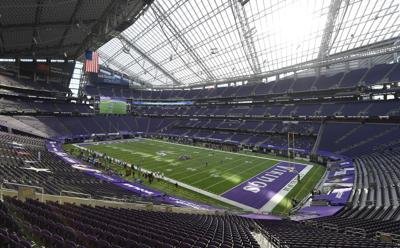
(125, 50)
(251, 31)
(243, 2)
(214, 50)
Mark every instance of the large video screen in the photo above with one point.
(110, 105)
(53, 71)
(107, 77)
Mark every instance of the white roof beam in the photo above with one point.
(333, 13)
(246, 35)
(130, 44)
(161, 17)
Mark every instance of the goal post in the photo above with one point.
(290, 142)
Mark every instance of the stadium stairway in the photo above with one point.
(319, 137)
(339, 111)
(366, 110)
(61, 125)
(344, 137)
(365, 141)
(13, 123)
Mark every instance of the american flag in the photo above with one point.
(92, 62)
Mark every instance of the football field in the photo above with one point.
(214, 171)
(112, 107)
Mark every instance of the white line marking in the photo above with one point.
(191, 175)
(280, 195)
(231, 153)
(184, 185)
(250, 168)
(267, 207)
(209, 149)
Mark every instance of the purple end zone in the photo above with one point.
(257, 191)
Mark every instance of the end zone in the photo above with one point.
(265, 190)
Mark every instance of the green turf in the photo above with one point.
(112, 107)
(223, 171)
(301, 190)
(162, 185)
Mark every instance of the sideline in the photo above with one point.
(268, 207)
(278, 197)
(240, 154)
(203, 192)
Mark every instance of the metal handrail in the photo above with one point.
(355, 231)
(21, 185)
(72, 192)
(76, 193)
(114, 199)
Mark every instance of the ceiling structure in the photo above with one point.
(184, 43)
(61, 28)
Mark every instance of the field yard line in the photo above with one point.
(211, 195)
(280, 195)
(182, 170)
(196, 173)
(212, 185)
(219, 172)
(266, 208)
(187, 186)
(239, 154)
(203, 148)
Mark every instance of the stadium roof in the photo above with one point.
(61, 28)
(182, 42)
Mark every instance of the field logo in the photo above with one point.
(136, 188)
(161, 153)
(262, 181)
(86, 168)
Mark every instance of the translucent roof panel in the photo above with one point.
(365, 22)
(181, 42)
(287, 32)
